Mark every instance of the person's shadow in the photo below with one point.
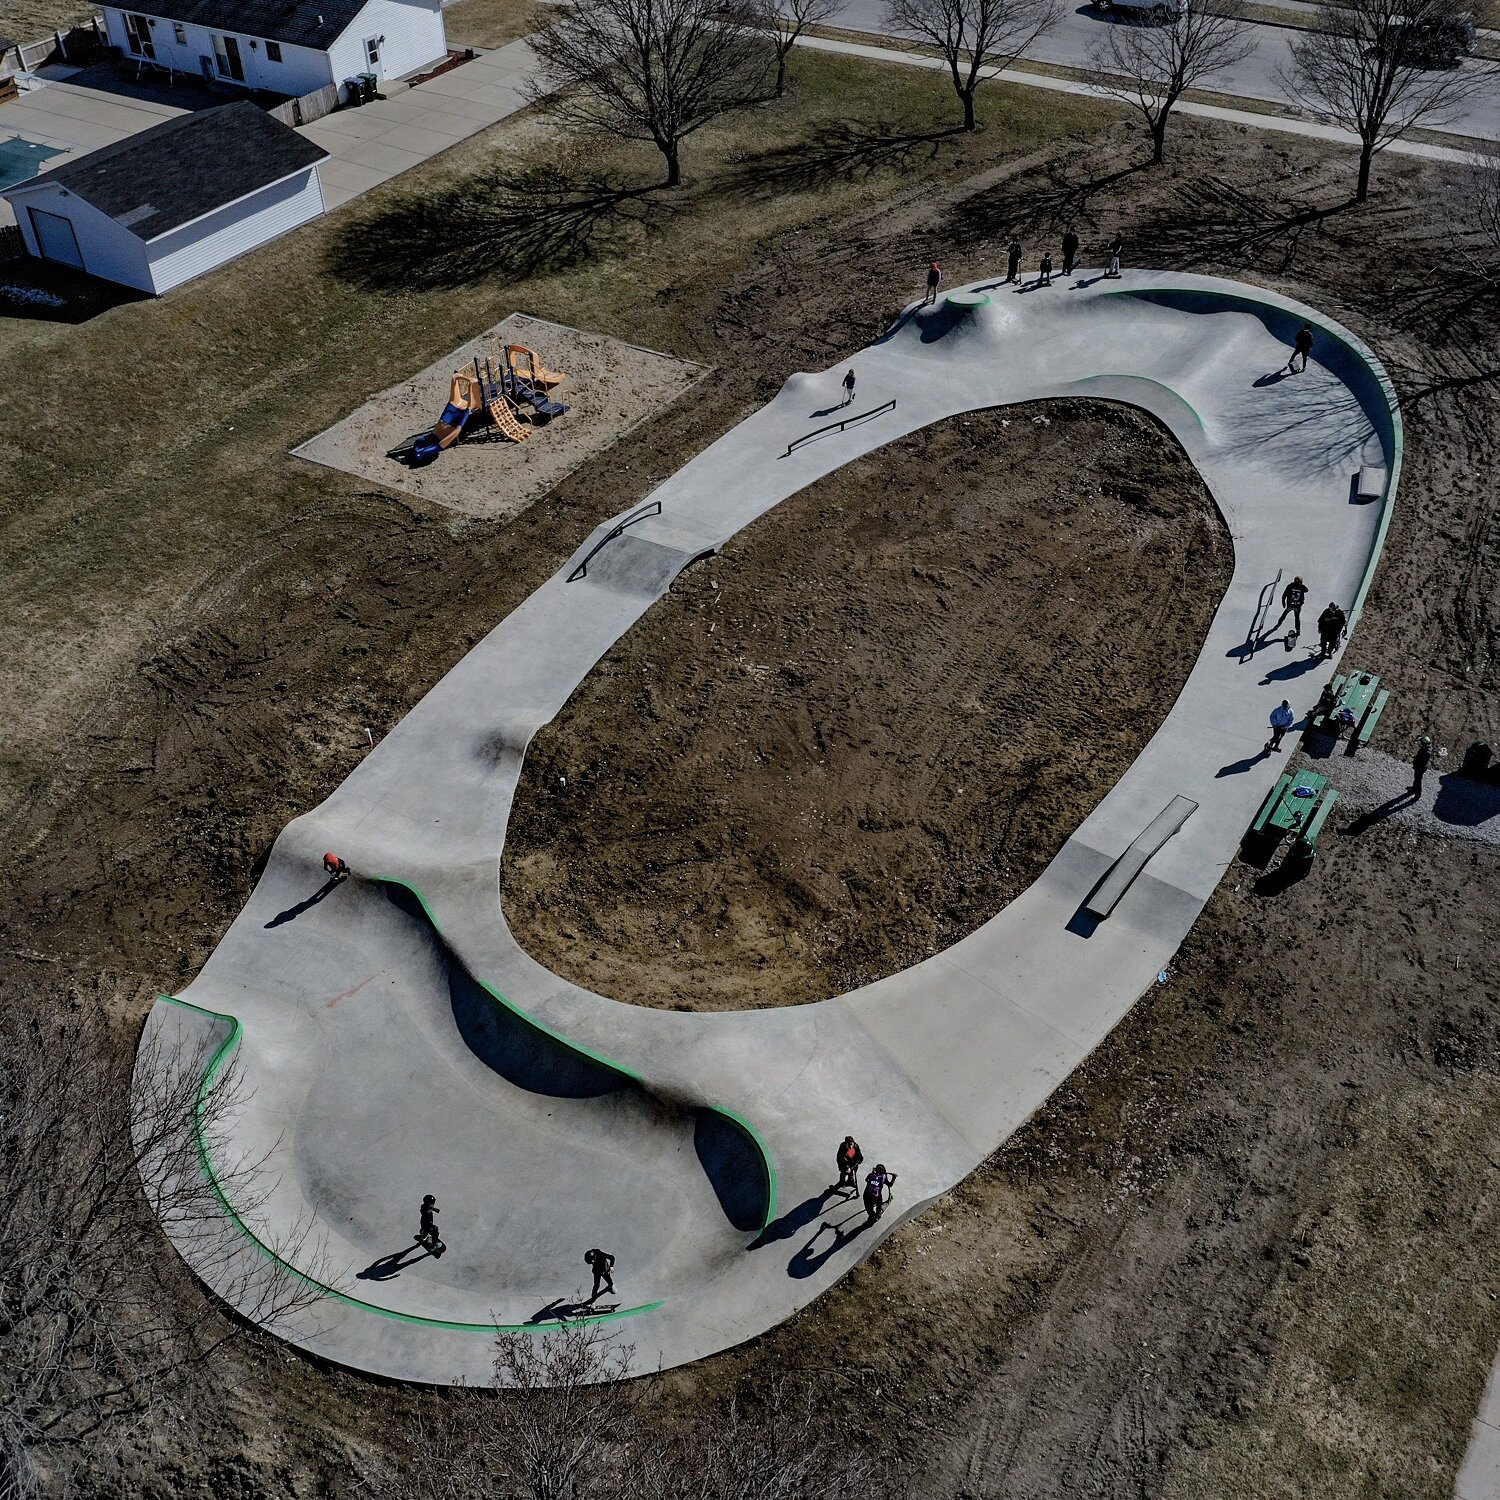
(1365, 821)
(293, 912)
(793, 1220)
(389, 1266)
(1239, 767)
(560, 1309)
(1292, 669)
(808, 1260)
(1274, 378)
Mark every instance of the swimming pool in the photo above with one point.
(21, 160)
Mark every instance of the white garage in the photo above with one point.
(156, 209)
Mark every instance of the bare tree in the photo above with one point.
(1366, 67)
(977, 38)
(651, 70)
(96, 1319)
(1482, 210)
(784, 21)
(1153, 66)
(564, 1421)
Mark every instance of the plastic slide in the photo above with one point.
(465, 399)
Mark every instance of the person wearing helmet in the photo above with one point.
(427, 1232)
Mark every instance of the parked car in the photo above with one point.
(1157, 12)
(1434, 41)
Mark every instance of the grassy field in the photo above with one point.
(492, 23)
(144, 447)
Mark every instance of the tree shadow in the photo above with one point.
(1029, 208)
(506, 223)
(846, 151)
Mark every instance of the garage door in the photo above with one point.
(55, 238)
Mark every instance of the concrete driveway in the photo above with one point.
(366, 146)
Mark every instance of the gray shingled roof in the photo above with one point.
(186, 167)
(300, 23)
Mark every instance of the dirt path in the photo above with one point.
(867, 725)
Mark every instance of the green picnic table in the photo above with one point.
(1358, 702)
(1299, 805)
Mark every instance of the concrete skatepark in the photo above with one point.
(392, 1039)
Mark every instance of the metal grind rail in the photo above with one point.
(863, 416)
(651, 508)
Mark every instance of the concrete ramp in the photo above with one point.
(393, 1038)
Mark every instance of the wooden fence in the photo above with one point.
(309, 107)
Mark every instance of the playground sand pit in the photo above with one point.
(611, 387)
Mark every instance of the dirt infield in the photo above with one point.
(856, 734)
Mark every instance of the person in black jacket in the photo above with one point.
(1331, 626)
(1293, 597)
(427, 1231)
(600, 1262)
(1070, 252)
(1013, 262)
(849, 1159)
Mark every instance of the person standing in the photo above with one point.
(1070, 252)
(1293, 597)
(335, 868)
(427, 1230)
(849, 1159)
(1301, 348)
(1419, 764)
(601, 1263)
(849, 388)
(1116, 250)
(934, 279)
(1282, 719)
(1013, 262)
(1331, 626)
(878, 1186)
(1044, 275)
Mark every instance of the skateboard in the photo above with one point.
(1291, 641)
(434, 1247)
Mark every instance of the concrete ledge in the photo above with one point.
(1133, 860)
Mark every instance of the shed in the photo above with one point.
(158, 208)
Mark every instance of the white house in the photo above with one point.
(284, 46)
(158, 208)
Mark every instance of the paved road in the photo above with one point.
(395, 1044)
(1071, 45)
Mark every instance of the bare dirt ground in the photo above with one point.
(867, 724)
(1251, 1248)
(610, 387)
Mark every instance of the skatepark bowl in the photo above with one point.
(388, 1037)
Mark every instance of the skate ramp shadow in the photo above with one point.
(530, 1056)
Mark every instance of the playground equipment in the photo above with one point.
(490, 403)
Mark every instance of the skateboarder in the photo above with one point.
(600, 1262)
(934, 278)
(1044, 275)
(878, 1186)
(1282, 719)
(335, 867)
(1419, 764)
(849, 1160)
(1013, 262)
(1070, 252)
(849, 388)
(1293, 597)
(1301, 348)
(1116, 250)
(1332, 624)
(427, 1233)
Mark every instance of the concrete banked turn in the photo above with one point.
(394, 1039)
